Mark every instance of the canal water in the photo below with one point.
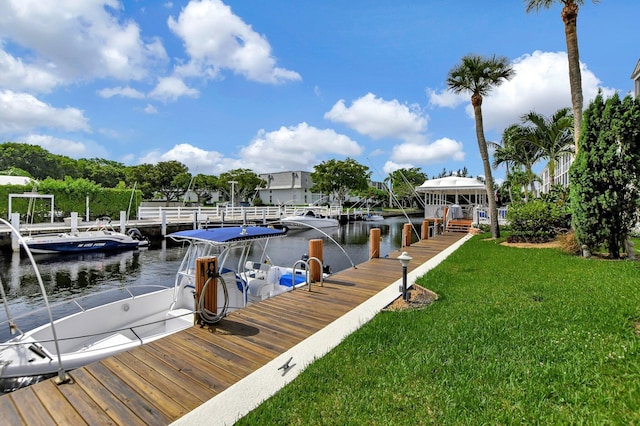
(85, 275)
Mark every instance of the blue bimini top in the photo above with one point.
(228, 235)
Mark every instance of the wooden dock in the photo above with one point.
(162, 381)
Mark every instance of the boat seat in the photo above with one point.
(257, 266)
(261, 288)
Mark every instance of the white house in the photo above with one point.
(288, 188)
(15, 180)
(561, 173)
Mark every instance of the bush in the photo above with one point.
(538, 221)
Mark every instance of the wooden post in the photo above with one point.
(435, 227)
(406, 235)
(203, 266)
(444, 219)
(315, 250)
(425, 229)
(374, 243)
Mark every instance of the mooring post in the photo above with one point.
(315, 250)
(425, 229)
(406, 235)
(374, 243)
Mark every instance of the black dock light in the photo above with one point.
(404, 259)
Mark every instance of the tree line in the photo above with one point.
(170, 180)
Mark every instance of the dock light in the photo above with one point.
(404, 259)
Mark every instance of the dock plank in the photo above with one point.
(153, 393)
(159, 382)
(31, 409)
(10, 413)
(55, 401)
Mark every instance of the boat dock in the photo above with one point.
(179, 377)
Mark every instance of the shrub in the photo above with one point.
(537, 221)
(605, 175)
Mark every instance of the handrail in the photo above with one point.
(294, 270)
(307, 273)
(321, 271)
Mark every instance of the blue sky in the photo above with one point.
(283, 85)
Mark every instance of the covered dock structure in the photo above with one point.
(461, 199)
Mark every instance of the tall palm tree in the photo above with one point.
(570, 18)
(478, 75)
(553, 136)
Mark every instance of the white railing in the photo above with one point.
(481, 215)
(454, 211)
(218, 213)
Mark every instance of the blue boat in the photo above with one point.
(102, 238)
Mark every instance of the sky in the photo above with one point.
(283, 85)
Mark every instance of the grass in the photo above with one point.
(527, 336)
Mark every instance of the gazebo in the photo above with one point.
(459, 194)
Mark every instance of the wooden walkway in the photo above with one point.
(160, 382)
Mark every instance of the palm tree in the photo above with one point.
(518, 149)
(570, 18)
(478, 75)
(553, 136)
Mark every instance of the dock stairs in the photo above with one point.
(459, 225)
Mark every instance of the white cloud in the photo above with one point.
(216, 39)
(379, 119)
(150, 109)
(296, 147)
(445, 98)
(196, 159)
(423, 154)
(171, 88)
(70, 40)
(125, 92)
(390, 166)
(269, 151)
(541, 84)
(21, 112)
(66, 147)
(17, 75)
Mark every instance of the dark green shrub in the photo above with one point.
(605, 174)
(537, 221)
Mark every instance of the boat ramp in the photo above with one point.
(190, 377)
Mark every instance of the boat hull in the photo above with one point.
(303, 223)
(81, 242)
(94, 334)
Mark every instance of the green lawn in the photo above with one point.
(518, 336)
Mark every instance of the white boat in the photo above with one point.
(305, 219)
(142, 314)
(103, 237)
(373, 217)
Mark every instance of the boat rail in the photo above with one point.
(305, 264)
(63, 307)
